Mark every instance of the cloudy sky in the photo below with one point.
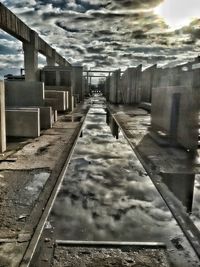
(108, 33)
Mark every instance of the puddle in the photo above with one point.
(107, 196)
(34, 188)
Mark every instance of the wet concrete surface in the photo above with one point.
(107, 195)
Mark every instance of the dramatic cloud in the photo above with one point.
(104, 33)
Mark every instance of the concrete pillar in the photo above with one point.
(31, 58)
(2, 118)
(51, 61)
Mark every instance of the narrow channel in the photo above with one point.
(107, 195)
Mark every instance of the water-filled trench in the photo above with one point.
(107, 195)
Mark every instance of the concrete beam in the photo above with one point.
(2, 118)
(23, 122)
(10, 23)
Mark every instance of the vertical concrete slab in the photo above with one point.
(77, 76)
(175, 113)
(2, 118)
(147, 83)
(114, 88)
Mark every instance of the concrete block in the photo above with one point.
(46, 118)
(23, 122)
(2, 118)
(24, 93)
(59, 97)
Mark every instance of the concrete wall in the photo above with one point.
(24, 94)
(2, 118)
(130, 85)
(175, 112)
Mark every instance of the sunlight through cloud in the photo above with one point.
(178, 13)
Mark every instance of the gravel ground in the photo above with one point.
(101, 257)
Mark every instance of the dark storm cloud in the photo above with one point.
(193, 30)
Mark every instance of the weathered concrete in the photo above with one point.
(24, 94)
(56, 99)
(46, 121)
(175, 105)
(2, 118)
(115, 96)
(77, 81)
(130, 85)
(31, 58)
(57, 76)
(147, 84)
(23, 122)
(10, 23)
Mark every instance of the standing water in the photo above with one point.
(107, 195)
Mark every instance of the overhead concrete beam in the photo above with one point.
(10, 23)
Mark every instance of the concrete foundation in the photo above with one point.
(2, 118)
(23, 122)
(24, 94)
